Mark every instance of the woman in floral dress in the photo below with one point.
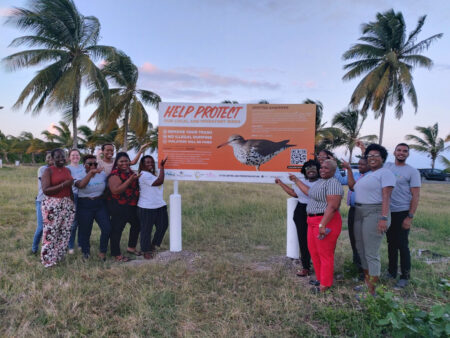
(58, 209)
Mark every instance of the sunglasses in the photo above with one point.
(92, 164)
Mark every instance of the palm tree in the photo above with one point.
(127, 102)
(351, 121)
(5, 146)
(430, 144)
(31, 145)
(69, 40)
(230, 102)
(151, 138)
(62, 138)
(326, 137)
(387, 57)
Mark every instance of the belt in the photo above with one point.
(93, 198)
(315, 215)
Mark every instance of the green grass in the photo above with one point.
(231, 279)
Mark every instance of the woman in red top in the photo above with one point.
(58, 209)
(123, 185)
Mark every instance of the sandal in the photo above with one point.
(149, 255)
(135, 252)
(122, 259)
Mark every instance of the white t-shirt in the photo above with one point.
(150, 197)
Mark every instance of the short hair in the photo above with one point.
(332, 162)
(377, 147)
(141, 163)
(118, 156)
(402, 144)
(54, 151)
(72, 150)
(310, 163)
(87, 157)
(107, 144)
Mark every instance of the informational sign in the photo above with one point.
(235, 142)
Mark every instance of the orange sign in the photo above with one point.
(235, 142)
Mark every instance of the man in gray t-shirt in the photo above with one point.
(404, 202)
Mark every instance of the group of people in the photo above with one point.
(104, 189)
(383, 198)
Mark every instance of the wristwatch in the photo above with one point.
(383, 218)
(410, 215)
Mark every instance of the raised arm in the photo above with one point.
(302, 186)
(160, 179)
(350, 177)
(139, 153)
(286, 188)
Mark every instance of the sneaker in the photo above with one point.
(388, 275)
(314, 282)
(401, 284)
(303, 273)
(71, 251)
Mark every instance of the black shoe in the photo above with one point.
(86, 256)
(314, 282)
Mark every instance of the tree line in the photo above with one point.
(66, 44)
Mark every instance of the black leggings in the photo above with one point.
(120, 216)
(300, 217)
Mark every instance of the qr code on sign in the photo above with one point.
(298, 156)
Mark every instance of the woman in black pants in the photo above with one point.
(310, 170)
(123, 185)
(152, 209)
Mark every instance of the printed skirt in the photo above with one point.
(58, 215)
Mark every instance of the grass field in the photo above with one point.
(231, 279)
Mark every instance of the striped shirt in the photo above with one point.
(318, 194)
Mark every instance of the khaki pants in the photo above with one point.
(367, 238)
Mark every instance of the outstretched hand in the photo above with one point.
(144, 146)
(345, 165)
(292, 177)
(163, 161)
(277, 181)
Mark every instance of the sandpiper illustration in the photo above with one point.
(255, 152)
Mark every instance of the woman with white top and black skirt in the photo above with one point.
(152, 209)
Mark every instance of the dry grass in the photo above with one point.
(232, 278)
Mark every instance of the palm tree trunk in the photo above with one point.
(125, 131)
(351, 153)
(383, 115)
(76, 109)
(32, 158)
(5, 154)
(433, 160)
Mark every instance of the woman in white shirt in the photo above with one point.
(152, 209)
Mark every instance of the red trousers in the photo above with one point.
(322, 250)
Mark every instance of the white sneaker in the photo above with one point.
(71, 251)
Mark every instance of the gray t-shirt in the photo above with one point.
(406, 177)
(95, 187)
(77, 172)
(368, 189)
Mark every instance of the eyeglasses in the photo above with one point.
(373, 155)
(92, 164)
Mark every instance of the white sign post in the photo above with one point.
(1, 163)
(292, 248)
(175, 219)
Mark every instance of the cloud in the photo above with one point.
(308, 84)
(196, 83)
(4, 11)
(442, 66)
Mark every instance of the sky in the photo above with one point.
(280, 51)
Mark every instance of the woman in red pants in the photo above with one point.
(324, 222)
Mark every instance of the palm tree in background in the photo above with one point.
(68, 40)
(326, 137)
(230, 102)
(31, 145)
(387, 56)
(6, 143)
(62, 138)
(150, 138)
(126, 101)
(430, 143)
(350, 122)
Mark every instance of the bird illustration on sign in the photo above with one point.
(255, 152)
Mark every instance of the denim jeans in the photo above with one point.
(39, 228)
(89, 210)
(74, 226)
